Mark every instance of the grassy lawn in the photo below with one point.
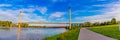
(68, 35)
(109, 30)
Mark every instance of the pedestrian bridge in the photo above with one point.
(50, 24)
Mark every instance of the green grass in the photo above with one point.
(109, 30)
(68, 35)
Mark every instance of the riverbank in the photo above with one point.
(108, 30)
(86, 34)
(68, 35)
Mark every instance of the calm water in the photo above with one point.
(29, 33)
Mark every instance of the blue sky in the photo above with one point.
(57, 10)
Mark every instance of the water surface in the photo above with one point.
(28, 33)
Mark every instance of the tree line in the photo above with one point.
(89, 24)
(5, 23)
(9, 24)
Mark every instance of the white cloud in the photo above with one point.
(101, 0)
(95, 18)
(33, 18)
(54, 0)
(30, 10)
(60, 19)
(43, 10)
(99, 5)
(112, 10)
(59, 0)
(12, 15)
(5, 5)
(57, 14)
(27, 15)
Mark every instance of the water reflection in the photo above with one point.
(19, 31)
(28, 33)
(5, 29)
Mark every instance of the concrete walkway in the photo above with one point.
(90, 35)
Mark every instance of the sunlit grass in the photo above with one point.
(68, 35)
(109, 30)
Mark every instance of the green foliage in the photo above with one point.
(113, 21)
(68, 35)
(101, 24)
(67, 27)
(96, 24)
(9, 23)
(105, 23)
(24, 25)
(108, 30)
(87, 24)
(76, 25)
(5, 23)
(109, 23)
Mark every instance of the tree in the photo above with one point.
(96, 24)
(0, 23)
(106, 23)
(5, 23)
(24, 25)
(113, 21)
(109, 23)
(87, 24)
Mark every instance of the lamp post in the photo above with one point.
(69, 8)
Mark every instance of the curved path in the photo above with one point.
(86, 34)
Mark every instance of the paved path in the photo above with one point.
(89, 35)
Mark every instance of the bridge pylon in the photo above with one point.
(19, 25)
(70, 17)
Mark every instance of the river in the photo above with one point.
(28, 33)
